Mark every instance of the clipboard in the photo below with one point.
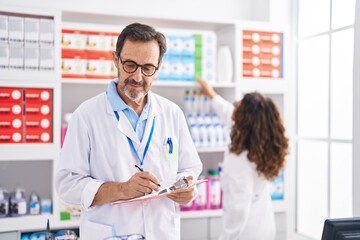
(162, 193)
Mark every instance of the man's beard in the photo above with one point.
(132, 94)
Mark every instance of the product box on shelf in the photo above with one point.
(31, 58)
(16, 30)
(73, 39)
(4, 29)
(31, 30)
(73, 64)
(46, 31)
(99, 65)
(262, 54)
(16, 57)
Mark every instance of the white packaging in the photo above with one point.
(208, 52)
(176, 68)
(31, 30)
(219, 134)
(212, 141)
(46, 62)
(175, 45)
(195, 134)
(188, 64)
(224, 65)
(75, 40)
(46, 31)
(165, 68)
(188, 46)
(98, 42)
(16, 30)
(73, 66)
(208, 69)
(99, 67)
(203, 135)
(16, 57)
(209, 38)
(31, 58)
(4, 56)
(4, 28)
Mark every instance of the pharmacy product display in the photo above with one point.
(26, 115)
(205, 126)
(27, 42)
(37, 46)
(262, 54)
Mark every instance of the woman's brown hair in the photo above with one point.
(258, 128)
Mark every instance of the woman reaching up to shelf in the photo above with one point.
(255, 156)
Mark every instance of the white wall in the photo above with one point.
(185, 9)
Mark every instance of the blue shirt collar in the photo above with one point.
(117, 103)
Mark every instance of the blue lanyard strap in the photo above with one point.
(147, 143)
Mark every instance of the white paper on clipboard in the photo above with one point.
(155, 195)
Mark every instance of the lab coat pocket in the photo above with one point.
(171, 149)
(96, 231)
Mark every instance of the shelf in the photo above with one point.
(29, 151)
(211, 149)
(87, 81)
(266, 86)
(201, 214)
(279, 206)
(30, 223)
(175, 23)
(9, 77)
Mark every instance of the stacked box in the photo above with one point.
(262, 54)
(88, 54)
(24, 40)
(11, 115)
(38, 115)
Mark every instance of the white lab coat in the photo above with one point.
(247, 208)
(96, 150)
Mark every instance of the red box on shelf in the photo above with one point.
(11, 95)
(39, 95)
(11, 136)
(38, 122)
(38, 136)
(40, 109)
(11, 122)
(10, 109)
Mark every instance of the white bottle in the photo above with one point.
(206, 105)
(219, 135)
(195, 134)
(190, 120)
(188, 102)
(195, 102)
(211, 135)
(203, 135)
(224, 65)
(207, 119)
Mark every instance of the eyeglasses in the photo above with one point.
(130, 67)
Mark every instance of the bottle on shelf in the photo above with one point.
(4, 203)
(64, 126)
(34, 204)
(201, 199)
(214, 190)
(18, 204)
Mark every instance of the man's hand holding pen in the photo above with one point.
(141, 183)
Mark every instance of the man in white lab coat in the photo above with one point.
(125, 126)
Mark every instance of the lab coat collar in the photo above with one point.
(125, 127)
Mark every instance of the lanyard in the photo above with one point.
(147, 143)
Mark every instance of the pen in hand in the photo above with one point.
(141, 170)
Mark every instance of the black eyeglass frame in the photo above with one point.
(137, 66)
